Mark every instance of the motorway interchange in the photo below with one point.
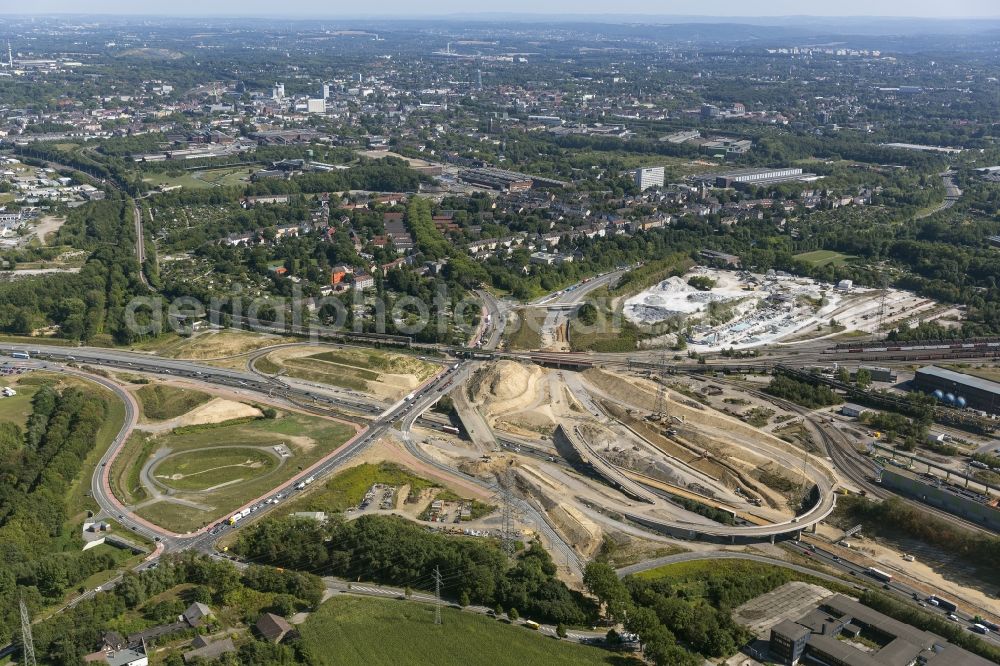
(401, 417)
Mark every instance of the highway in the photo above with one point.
(240, 381)
(854, 465)
(573, 297)
(383, 420)
(952, 194)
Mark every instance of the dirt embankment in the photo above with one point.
(642, 394)
(216, 410)
(505, 387)
(518, 398)
(576, 528)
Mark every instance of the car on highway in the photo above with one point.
(952, 617)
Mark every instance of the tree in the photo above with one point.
(642, 622)
(561, 630)
(863, 378)
(602, 581)
(513, 614)
(463, 599)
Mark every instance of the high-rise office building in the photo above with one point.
(648, 177)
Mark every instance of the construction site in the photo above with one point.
(608, 454)
(720, 309)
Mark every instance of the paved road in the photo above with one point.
(239, 381)
(952, 194)
(571, 296)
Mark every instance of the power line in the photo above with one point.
(27, 642)
(437, 595)
(660, 408)
(505, 497)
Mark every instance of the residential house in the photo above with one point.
(338, 273)
(196, 614)
(273, 628)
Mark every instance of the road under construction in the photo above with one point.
(403, 418)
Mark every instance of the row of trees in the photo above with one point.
(37, 470)
(395, 551)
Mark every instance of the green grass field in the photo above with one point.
(309, 438)
(201, 179)
(127, 465)
(825, 258)
(348, 488)
(16, 409)
(352, 369)
(200, 470)
(350, 630)
(161, 402)
(526, 334)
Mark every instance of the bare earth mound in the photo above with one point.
(506, 386)
(217, 411)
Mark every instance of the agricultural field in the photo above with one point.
(821, 258)
(161, 401)
(407, 635)
(384, 374)
(192, 475)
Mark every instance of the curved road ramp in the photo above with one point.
(824, 501)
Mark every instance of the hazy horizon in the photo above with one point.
(721, 9)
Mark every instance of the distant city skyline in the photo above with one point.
(551, 9)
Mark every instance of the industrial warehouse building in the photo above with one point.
(843, 632)
(504, 180)
(745, 177)
(958, 389)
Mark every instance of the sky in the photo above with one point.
(429, 8)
